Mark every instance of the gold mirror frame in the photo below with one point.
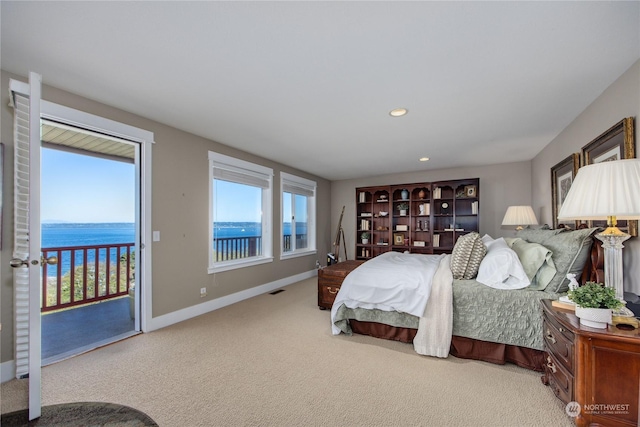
(616, 143)
(562, 176)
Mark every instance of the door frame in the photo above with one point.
(81, 119)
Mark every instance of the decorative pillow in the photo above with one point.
(570, 251)
(536, 260)
(466, 256)
(538, 235)
(501, 268)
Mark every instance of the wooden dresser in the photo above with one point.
(330, 279)
(597, 368)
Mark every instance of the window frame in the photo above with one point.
(311, 186)
(242, 167)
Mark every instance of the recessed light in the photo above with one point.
(398, 112)
(424, 159)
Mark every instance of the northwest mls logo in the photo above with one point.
(572, 409)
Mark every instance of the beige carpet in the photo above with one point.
(272, 361)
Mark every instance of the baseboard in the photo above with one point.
(7, 371)
(196, 310)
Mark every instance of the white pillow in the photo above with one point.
(501, 268)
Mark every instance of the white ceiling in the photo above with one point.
(310, 84)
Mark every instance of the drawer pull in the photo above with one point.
(550, 337)
(332, 292)
(551, 365)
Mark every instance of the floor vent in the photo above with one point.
(276, 292)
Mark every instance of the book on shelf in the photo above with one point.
(474, 208)
(437, 193)
(362, 197)
(436, 240)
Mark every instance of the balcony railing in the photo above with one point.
(86, 274)
(230, 248)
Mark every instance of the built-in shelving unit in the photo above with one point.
(419, 218)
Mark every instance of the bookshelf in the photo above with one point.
(419, 218)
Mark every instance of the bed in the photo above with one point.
(495, 324)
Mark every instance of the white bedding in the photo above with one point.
(392, 281)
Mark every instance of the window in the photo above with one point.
(240, 213)
(298, 216)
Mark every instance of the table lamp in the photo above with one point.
(519, 216)
(607, 191)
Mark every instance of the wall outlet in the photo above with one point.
(203, 292)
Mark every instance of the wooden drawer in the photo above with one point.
(560, 380)
(559, 342)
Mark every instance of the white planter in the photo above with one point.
(365, 241)
(594, 317)
(403, 212)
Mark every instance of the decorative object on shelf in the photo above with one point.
(562, 176)
(444, 208)
(402, 207)
(607, 190)
(470, 191)
(398, 239)
(616, 143)
(382, 213)
(404, 194)
(419, 226)
(421, 194)
(402, 227)
(365, 237)
(594, 304)
(519, 216)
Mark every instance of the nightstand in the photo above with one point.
(330, 279)
(597, 368)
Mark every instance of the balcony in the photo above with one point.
(85, 300)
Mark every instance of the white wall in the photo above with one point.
(620, 100)
(496, 194)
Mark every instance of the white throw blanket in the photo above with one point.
(420, 285)
(436, 325)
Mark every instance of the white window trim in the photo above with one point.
(311, 213)
(267, 216)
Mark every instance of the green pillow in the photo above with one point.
(538, 235)
(570, 251)
(536, 260)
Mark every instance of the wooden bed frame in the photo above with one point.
(467, 348)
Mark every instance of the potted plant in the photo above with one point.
(402, 207)
(594, 304)
(365, 237)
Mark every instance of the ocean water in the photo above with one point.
(81, 234)
(56, 235)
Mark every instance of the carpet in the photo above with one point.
(80, 414)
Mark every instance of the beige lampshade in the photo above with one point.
(519, 215)
(604, 189)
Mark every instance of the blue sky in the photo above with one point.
(237, 202)
(79, 188)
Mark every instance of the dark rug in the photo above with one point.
(80, 414)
